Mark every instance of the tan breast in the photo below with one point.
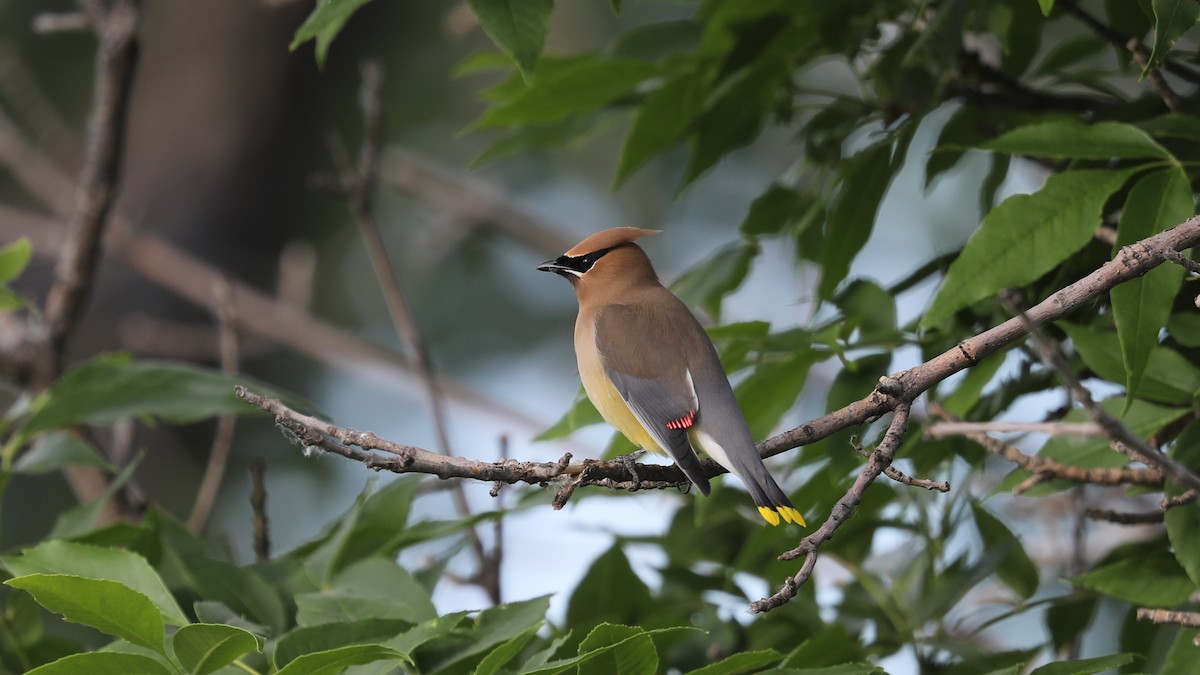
(601, 391)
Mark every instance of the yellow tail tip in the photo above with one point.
(769, 515)
(789, 514)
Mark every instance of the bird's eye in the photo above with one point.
(585, 262)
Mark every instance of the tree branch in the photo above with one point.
(1131, 261)
(1045, 468)
(1120, 434)
(880, 459)
(95, 190)
(218, 455)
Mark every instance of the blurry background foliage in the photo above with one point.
(844, 188)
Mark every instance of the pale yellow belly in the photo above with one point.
(606, 398)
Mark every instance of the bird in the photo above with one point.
(653, 373)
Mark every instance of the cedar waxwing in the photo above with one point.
(651, 371)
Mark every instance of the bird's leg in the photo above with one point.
(630, 462)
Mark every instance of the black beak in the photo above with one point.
(560, 266)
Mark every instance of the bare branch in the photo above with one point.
(947, 429)
(1157, 82)
(258, 504)
(1130, 262)
(905, 479)
(1044, 468)
(1189, 619)
(880, 459)
(1113, 427)
(96, 187)
(218, 455)
(1125, 518)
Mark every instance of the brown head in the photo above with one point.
(606, 262)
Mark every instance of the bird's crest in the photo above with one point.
(608, 239)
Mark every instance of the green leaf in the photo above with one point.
(868, 309)
(593, 600)
(1172, 18)
(605, 632)
(323, 25)
(1181, 657)
(95, 562)
(1070, 139)
(1182, 521)
(1141, 306)
(830, 646)
(205, 647)
(741, 662)
(105, 605)
(777, 208)
(334, 661)
(579, 87)
(111, 388)
(82, 519)
(635, 655)
(1184, 328)
(1016, 570)
(519, 27)
(349, 600)
(1168, 376)
(495, 626)
(864, 180)
(10, 301)
(52, 452)
(423, 633)
(326, 636)
(734, 116)
(102, 663)
(970, 388)
(582, 414)
(1025, 237)
(1172, 125)
(1152, 579)
(14, 258)
(241, 588)
(772, 389)
(661, 121)
(707, 284)
(501, 655)
(1085, 666)
(1068, 617)
(1047, 6)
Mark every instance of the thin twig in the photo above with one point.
(1179, 500)
(61, 22)
(218, 455)
(1114, 428)
(947, 429)
(1157, 82)
(1189, 619)
(359, 186)
(1124, 517)
(95, 189)
(1044, 468)
(880, 459)
(258, 506)
(905, 479)
(313, 432)
(1122, 41)
(1182, 260)
(1131, 261)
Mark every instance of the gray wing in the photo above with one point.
(653, 380)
